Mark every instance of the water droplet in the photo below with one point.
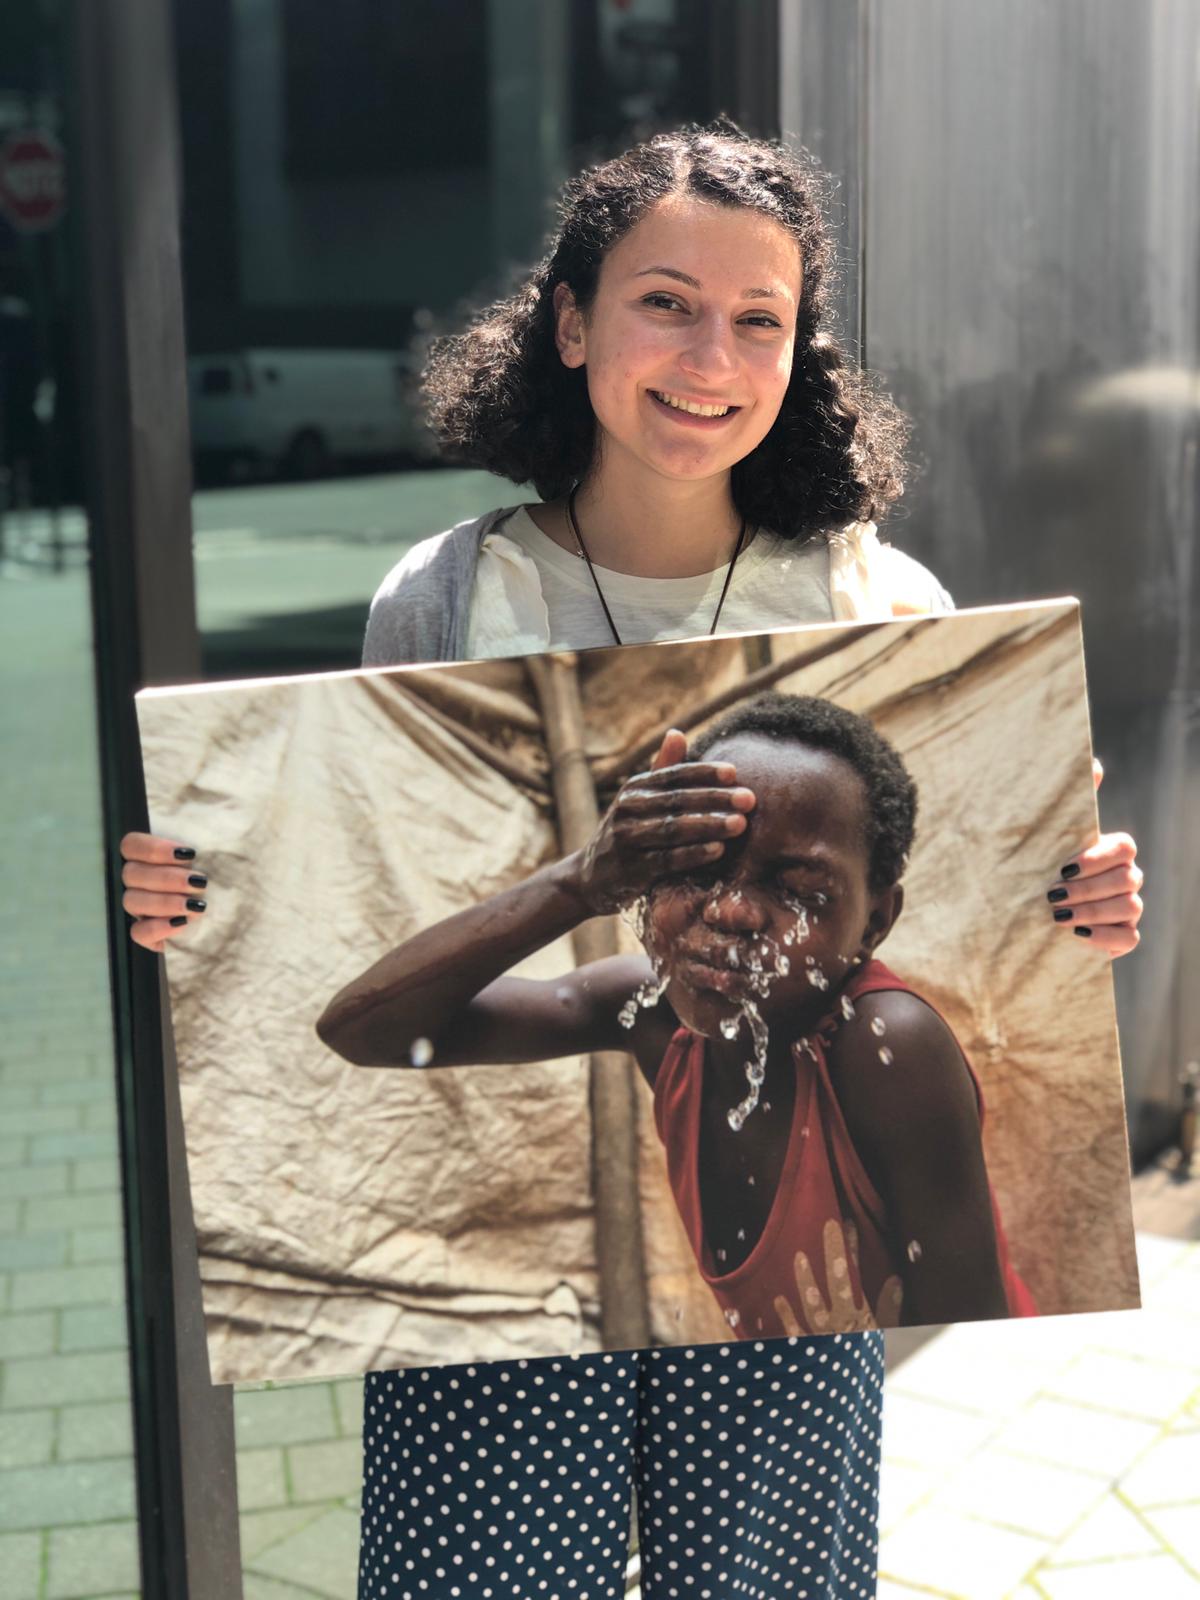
(817, 978)
(729, 1027)
(750, 1180)
(741, 1233)
(733, 1318)
(885, 1055)
(878, 1027)
(732, 959)
(913, 1251)
(720, 1255)
(646, 995)
(847, 1007)
(421, 1052)
(805, 1131)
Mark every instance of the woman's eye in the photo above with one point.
(760, 321)
(667, 302)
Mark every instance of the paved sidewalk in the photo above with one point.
(1052, 1460)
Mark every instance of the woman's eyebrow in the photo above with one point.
(694, 283)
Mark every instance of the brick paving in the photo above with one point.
(1042, 1461)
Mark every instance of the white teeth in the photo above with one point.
(690, 405)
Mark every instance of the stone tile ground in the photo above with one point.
(1057, 1460)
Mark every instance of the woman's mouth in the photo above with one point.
(693, 413)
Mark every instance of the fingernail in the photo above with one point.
(178, 922)
(1064, 914)
(1053, 894)
(1084, 933)
(184, 852)
(199, 881)
(197, 905)
(1071, 870)
(735, 823)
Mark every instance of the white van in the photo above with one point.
(303, 412)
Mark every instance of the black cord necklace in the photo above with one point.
(737, 550)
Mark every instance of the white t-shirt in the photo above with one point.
(530, 594)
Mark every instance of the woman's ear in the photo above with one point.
(885, 908)
(568, 327)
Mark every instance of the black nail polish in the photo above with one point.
(1063, 914)
(1084, 933)
(1051, 894)
(178, 922)
(184, 852)
(1071, 870)
(197, 905)
(199, 881)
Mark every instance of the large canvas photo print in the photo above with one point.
(678, 993)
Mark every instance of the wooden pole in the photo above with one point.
(624, 1313)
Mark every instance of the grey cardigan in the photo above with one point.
(422, 609)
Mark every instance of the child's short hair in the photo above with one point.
(822, 725)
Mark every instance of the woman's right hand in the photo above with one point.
(164, 889)
(673, 819)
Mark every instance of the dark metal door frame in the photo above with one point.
(134, 417)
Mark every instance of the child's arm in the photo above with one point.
(915, 1125)
(447, 984)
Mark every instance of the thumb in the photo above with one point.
(671, 751)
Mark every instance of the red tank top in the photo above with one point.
(824, 1262)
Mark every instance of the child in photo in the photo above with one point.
(822, 1126)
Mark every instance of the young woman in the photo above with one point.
(707, 460)
(824, 1143)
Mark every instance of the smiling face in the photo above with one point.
(794, 886)
(695, 306)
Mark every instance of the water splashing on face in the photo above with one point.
(756, 1067)
(645, 996)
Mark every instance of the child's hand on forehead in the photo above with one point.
(673, 819)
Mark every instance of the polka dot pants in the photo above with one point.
(756, 1467)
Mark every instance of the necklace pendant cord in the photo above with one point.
(583, 550)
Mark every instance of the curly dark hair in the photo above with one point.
(891, 793)
(499, 397)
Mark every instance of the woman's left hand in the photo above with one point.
(1097, 895)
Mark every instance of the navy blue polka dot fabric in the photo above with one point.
(756, 1467)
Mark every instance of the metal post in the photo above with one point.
(134, 418)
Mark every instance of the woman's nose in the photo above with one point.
(731, 908)
(710, 352)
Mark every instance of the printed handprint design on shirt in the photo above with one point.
(845, 1309)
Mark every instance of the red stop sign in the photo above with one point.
(33, 188)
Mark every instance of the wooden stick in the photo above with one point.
(624, 1313)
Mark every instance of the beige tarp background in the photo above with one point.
(349, 1218)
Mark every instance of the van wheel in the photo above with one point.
(308, 456)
